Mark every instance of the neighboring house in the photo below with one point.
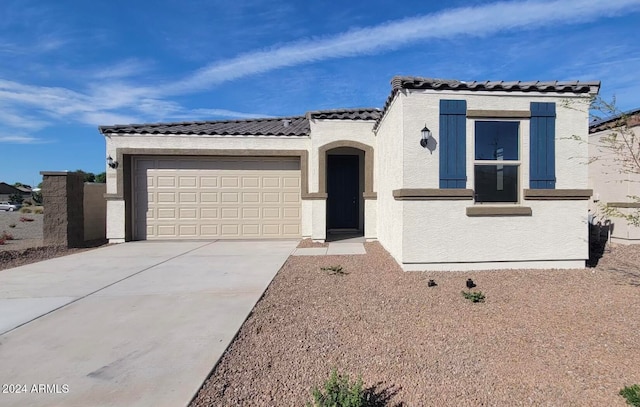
(6, 190)
(612, 183)
(494, 187)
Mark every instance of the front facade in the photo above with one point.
(494, 187)
(614, 180)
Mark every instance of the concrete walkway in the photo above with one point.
(337, 248)
(135, 324)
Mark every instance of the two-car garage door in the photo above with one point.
(216, 198)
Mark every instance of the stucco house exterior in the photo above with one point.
(490, 185)
(612, 183)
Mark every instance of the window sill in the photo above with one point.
(432, 194)
(557, 194)
(481, 210)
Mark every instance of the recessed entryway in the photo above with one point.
(343, 192)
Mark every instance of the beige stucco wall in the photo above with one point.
(439, 234)
(389, 173)
(611, 184)
(95, 211)
(115, 221)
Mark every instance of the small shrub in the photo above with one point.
(12, 225)
(38, 210)
(25, 209)
(339, 391)
(6, 236)
(631, 394)
(25, 219)
(474, 296)
(334, 270)
(27, 202)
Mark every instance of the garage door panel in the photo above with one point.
(291, 212)
(270, 182)
(188, 182)
(188, 197)
(229, 182)
(250, 213)
(225, 198)
(208, 213)
(188, 213)
(208, 182)
(291, 182)
(229, 197)
(250, 182)
(166, 213)
(251, 197)
(209, 230)
(271, 197)
(290, 197)
(209, 197)
(166, 197)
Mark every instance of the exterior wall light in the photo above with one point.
(426, 136)
(428, 141)
(111, 163)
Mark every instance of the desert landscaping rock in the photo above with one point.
(25, 234)
(27, 243)
(542, 337)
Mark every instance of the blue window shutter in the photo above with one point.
(453, 144)
(542, 164)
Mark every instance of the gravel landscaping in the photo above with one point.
(25, 234)
(27, 244)
(541, 338)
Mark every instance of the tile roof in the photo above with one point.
(281, 126)
(632, 117)
(367, 113)
(415, 82)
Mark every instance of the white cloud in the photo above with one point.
(21, 139)
(470, 21)
(114, 100)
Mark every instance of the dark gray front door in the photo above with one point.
(342, 189)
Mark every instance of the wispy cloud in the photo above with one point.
(475, 21)
(21, 139)
(115, 99)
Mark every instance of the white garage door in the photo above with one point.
(216, 198)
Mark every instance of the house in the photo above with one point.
(612, 182)
(448, 175)
(7, 190)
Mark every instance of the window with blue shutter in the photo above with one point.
(543, 150)
(453, 142)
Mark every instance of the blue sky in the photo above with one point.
(67, 66)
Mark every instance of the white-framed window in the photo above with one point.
(496, 161)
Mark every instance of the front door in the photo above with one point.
(342, 190)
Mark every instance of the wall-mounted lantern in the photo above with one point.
(111, 163)
(427, 140)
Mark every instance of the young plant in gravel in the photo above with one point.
(334, 270)
(339, 391)
(12, 225)
(631, 394)
(25, 219)
(2, 241)
(6, 236)
(473, 296)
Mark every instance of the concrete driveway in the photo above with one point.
(135, 324)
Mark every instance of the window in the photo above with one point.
(497, 161)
